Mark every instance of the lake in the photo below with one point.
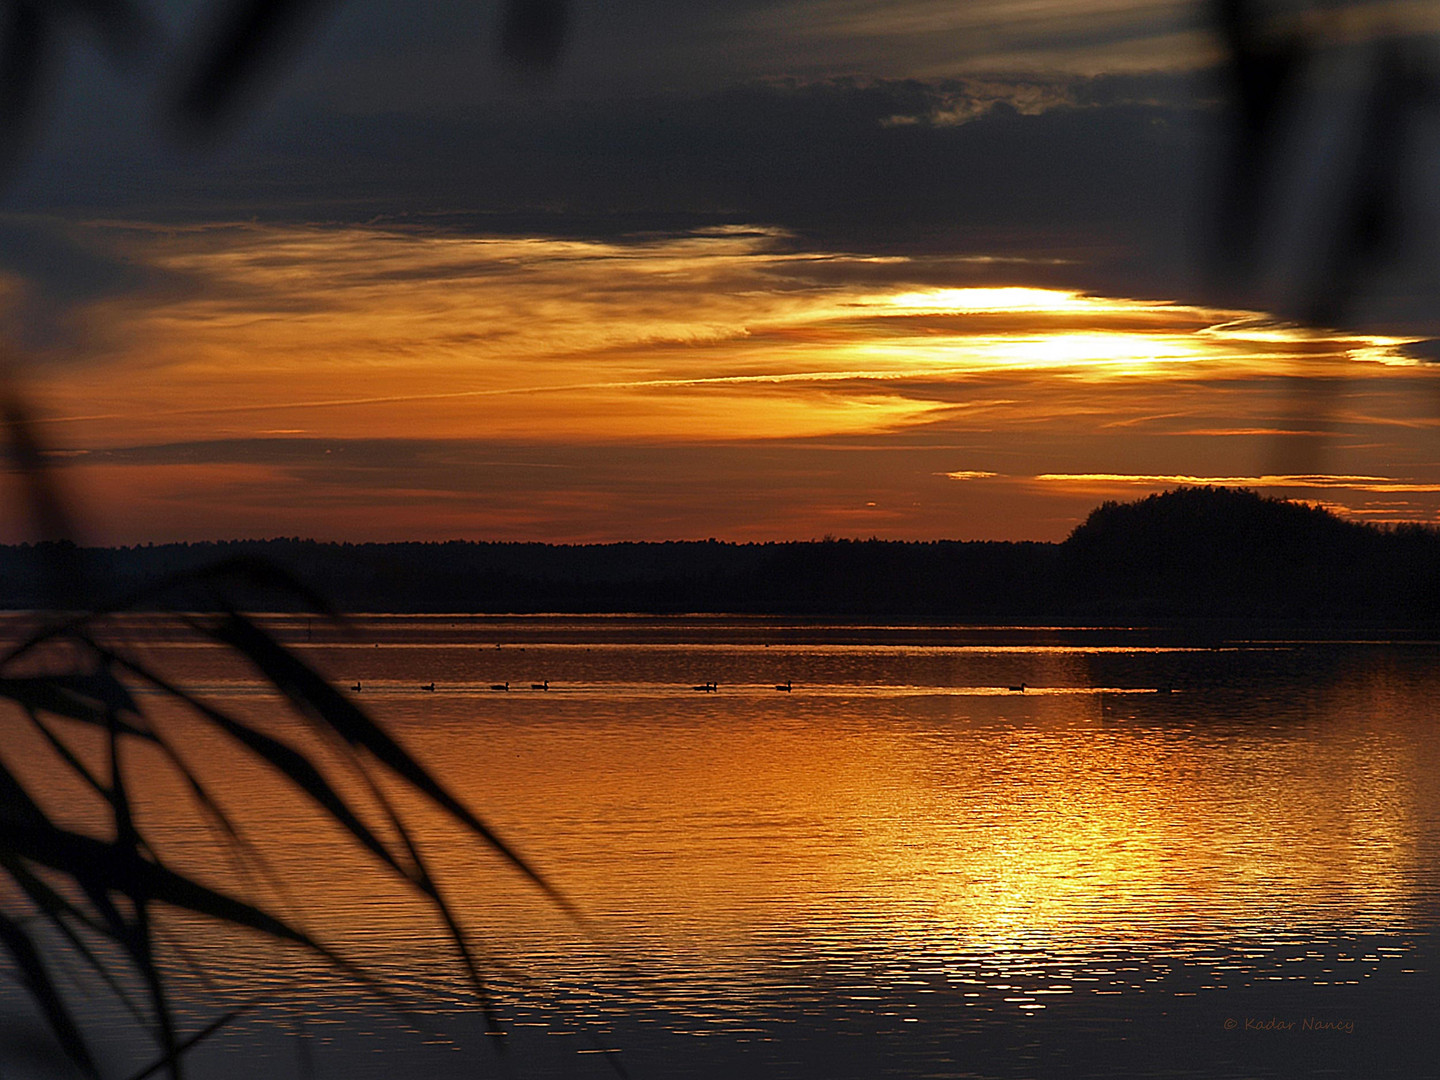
(1162, 858)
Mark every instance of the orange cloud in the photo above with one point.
(355, 331)
(724, 338)
(1352, 483)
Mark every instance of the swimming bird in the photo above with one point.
(708, 688)
(356, 688)
(429, 686)
(540, 685)
(500, 686)
(1019, 689)
(783, 686)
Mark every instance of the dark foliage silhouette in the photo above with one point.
(1188, 554)
(97, 893)
(1271, 61)
(1210, 553)
(1216, 552)
(237, 45)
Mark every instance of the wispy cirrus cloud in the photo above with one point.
(1286, 482)
(723, 333)
(856, 389)
(926, 37)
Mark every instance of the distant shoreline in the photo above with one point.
(1197, 556)
(485, 630)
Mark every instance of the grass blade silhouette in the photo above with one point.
(43, 992)
(316, 698)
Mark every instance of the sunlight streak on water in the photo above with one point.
(901, 838)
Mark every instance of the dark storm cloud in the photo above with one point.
(45, 253)
(55, 269)
(376, 54)
(1103, 186)
(1427, 350)
(662, 118)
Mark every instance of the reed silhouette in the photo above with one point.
(102, 888)
(98, 891)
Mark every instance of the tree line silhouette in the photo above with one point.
(1192, 553)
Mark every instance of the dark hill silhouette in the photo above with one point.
(1194, 553)
(1227, 552)
(1180, 529)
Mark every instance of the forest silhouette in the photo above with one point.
(1191, 553)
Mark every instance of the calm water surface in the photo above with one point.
(1158, 860)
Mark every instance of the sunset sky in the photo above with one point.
(759, 269)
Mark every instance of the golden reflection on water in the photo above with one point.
(712, 836)
(1033, 825)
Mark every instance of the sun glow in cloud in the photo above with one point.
(716, 335)
(1006, 298)
(731, 341)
